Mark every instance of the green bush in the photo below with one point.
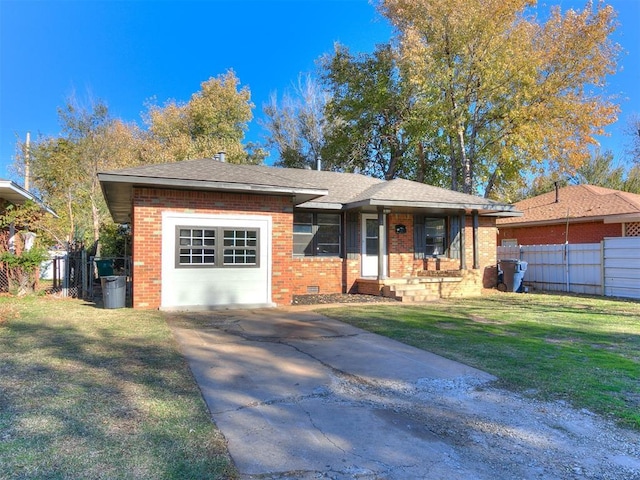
(22, 269)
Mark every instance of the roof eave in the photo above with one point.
(484, 209)
(560, 221)
(125, 183)
(321, 205)
(623, 218)
(18, 195)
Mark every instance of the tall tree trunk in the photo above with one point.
(467, 182)
(421, 169)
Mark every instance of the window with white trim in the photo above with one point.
(217, 247)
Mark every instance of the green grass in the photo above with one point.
(583, 350)
(94, 393)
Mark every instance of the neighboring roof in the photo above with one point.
(577, 203)
(309, 188)
(15, 194)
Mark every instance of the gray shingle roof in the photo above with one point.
(310, 188)
(400, 191)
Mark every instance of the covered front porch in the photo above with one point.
(428, 253)
(401, 240)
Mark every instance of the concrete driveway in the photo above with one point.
(301, 396)
(298, 395)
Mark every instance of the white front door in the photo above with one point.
(369, 247)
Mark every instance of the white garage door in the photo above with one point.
(215, 261)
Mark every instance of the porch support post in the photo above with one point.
(382, 242)
(463, 256)
(476, 250)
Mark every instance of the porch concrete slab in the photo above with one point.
(299, 395)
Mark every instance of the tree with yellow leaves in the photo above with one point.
(214, 120)
(506, 90)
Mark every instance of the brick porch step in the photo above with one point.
(417, 289)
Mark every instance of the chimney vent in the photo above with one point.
(220, 156)
(557, 192)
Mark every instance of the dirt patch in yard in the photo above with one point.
(325, 299)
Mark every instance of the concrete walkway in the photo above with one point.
(298, 395)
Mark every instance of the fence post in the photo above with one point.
(67, 272)
(83, 270)
(602, 276)
(566, 262)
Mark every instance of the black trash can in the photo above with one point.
(511, 275)
(113, 291)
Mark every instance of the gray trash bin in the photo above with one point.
(518, 276)
(113, 291)
(512, 272)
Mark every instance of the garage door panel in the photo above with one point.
(193, 287)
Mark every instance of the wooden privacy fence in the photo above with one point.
(610, 268)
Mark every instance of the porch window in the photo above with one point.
(436, 236)
(435, 230)
(316, 234)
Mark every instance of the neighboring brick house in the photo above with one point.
(573, 214)
(208, 234)
(12, 194)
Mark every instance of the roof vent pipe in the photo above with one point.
(220, 156)
(557, 192)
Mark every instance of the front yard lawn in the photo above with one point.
(583, 350)
(94, 393)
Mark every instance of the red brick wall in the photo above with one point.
(588, 232)
(487, 238)
(323, 273)
(290, 276)
(402, 263)
(148, 205)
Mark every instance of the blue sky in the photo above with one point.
(126, 52)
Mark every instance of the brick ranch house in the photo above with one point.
(208, 234)
(573, 214)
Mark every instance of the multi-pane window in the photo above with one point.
(316, 234)
(240, 247)
(216, 247)
(436, 235)
(196, 246)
